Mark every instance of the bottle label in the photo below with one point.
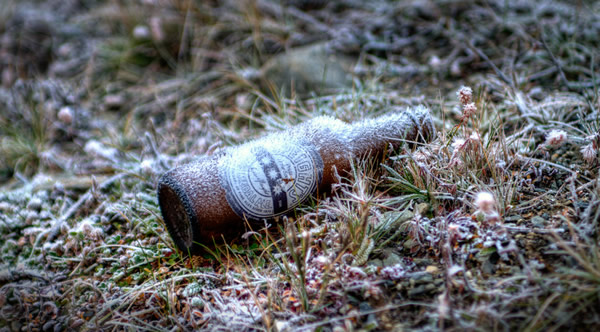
(266, 179)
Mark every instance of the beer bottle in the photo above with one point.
(215, 197)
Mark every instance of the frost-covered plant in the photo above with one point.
(590, 150)
(465, 95)
(469, 110)
(485, 202)
(556, 138)
(486, 208)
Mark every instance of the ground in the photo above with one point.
(493, 225)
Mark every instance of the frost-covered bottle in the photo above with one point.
(216, 197)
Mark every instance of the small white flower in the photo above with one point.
(556, 138)
(465, 95)
(485, 202)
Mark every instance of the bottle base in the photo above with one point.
(178, 214)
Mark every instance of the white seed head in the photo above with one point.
(469, 109)
(147, 165)
(485, 202)
(452, 228)
(435, 61)
(589, 153)
(421, 156)
(65, 115)
(465, 95)
(459, 143)
(475, 137)
(141, 32)
(556, 138)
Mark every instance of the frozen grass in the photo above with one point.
(407, 243)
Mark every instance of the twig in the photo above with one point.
(533, 230)
(157, 154)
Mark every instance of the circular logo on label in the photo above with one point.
(265, 180)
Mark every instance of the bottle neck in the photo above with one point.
(374, 136)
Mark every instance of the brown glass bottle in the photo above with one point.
(211, 199)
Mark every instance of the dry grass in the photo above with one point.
(133, 88)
